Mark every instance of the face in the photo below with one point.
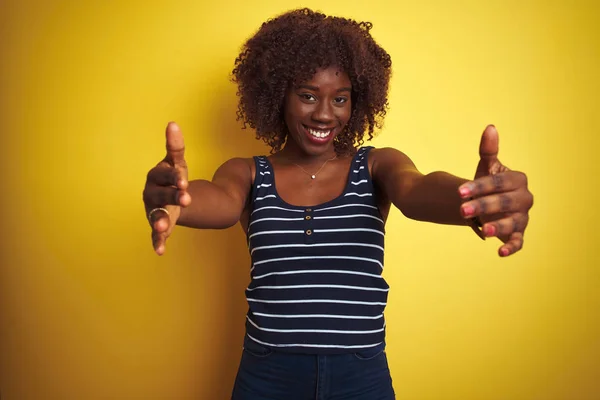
(318, 110)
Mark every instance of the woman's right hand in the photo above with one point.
(166, 189)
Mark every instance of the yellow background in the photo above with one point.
(87, 311)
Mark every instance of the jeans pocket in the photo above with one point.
(256, 349)
(370, 354)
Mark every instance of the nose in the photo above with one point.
(323, 112)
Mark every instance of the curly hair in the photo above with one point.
(289, 49)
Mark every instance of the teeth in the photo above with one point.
(319, 134)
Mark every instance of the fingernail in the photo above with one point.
(464, 191)
(504, 252)
(489, 230)
(468, 210)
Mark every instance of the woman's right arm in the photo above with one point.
(169, 199)
(218, 204)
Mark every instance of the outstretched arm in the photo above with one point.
(497, 197)
(218, 203)
(432, 197)
(169, 199)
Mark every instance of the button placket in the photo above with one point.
(308, 226)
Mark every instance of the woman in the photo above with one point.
(313, 87)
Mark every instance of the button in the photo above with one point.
(308, 232)
(307, 217)
(308, 210)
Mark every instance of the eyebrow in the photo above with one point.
(316, 89)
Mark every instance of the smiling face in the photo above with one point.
(316, 111)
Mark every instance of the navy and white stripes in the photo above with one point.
(316, 284)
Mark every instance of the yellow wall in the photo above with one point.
(87, 311)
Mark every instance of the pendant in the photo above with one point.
(313, 177)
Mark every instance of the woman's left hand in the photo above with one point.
(498, 197)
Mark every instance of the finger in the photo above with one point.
(504, 227)
(158, 242)
(166, 175)
(490, 184)
(161, 196)
(158, 219)
(488, 147)
(502, 203)
(175, 145)
(514, 244)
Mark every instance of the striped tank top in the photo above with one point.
(316, 284)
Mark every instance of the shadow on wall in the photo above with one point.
(220, 346)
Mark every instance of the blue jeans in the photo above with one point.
(265, 374)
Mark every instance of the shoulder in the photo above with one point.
(386, 152)
(239, 167)
(238, 163)
(388, 158)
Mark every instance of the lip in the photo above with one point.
(316, 140)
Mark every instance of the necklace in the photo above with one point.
(314, 176)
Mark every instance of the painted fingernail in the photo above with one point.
(468, 210)
(504, 252)
(489, 230)
(464, 191)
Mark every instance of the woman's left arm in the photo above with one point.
(498, 198)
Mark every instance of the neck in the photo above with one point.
(293, 153)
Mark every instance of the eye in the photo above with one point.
(340, 100)
(307, 97)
